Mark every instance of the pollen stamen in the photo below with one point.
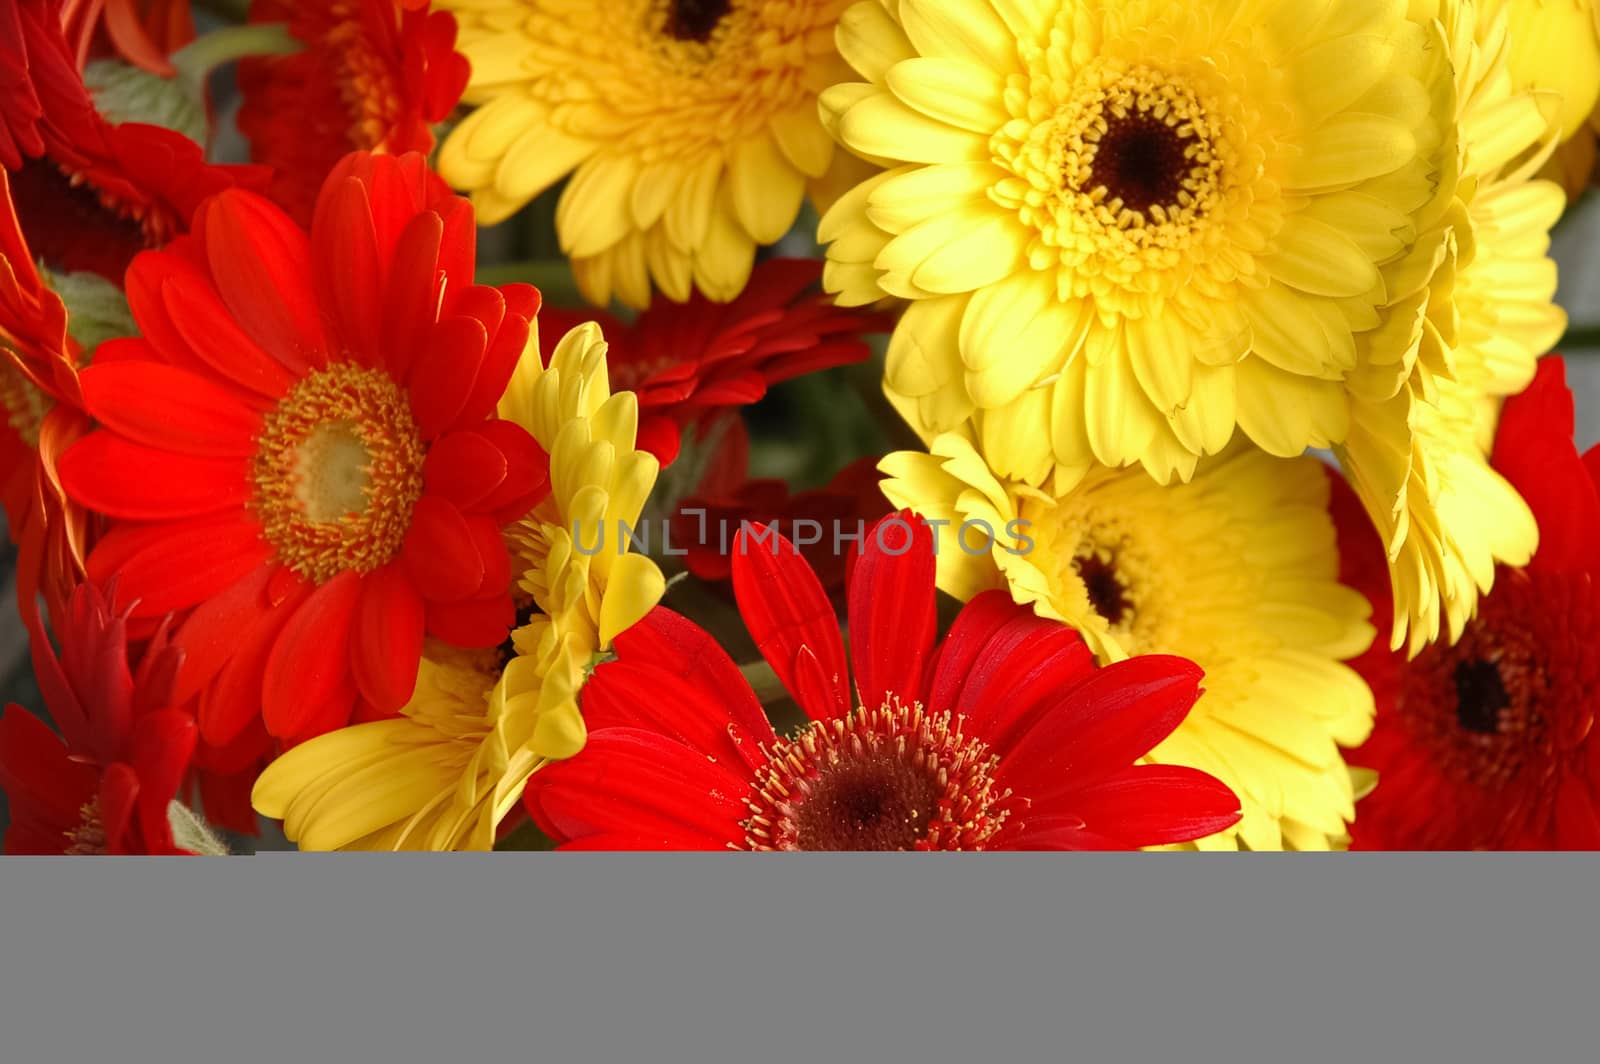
(891, 778)
(338, 470)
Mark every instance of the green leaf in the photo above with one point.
(124, 93)
(97, 310)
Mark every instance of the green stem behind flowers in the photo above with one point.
(197, 59)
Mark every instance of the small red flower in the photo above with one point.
(90, 194)
(300, 452)
(829, 517)
(1489, 743)
(688, 360)
(371, 77)
(104, 784)
(42, 416)
(1004, 736)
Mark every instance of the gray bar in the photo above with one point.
(822, 958)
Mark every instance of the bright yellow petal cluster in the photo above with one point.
(1236, 570)
(1474, 313)
(689, 129)
(1554, 48)
(1128, 226)
(444, 773)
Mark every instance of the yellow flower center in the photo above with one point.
(893, 778)
(25, 405)
(89, 837)
(1096, 553)
(337, 471)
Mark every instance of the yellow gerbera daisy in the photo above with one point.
(1553, 47)
(1477, 311)
(1129, 225)
(1236, 570)
(689, 127)
(445, 773)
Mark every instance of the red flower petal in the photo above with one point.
(1534, 451)
(115, 476)
(788, 615)
(231, 702)
(171, 408)
(633, 783)
(171, 566)
(411, 298)
(442, 376)
(481, 622)
(463, 468)
(211, 634)
(892, 610)
(527, 479)
(35, 773)
(440, 552)
(388, 639)
(262, 265)
(209, 332)
(1100, 727)
(310, 662)
(349, 270)
(1153, 805)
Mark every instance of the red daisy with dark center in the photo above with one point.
(105, 783)
(40, 416)
(687, 361)
(91, 195)
(371, 77)
(301, 453)
(1487, 743)
(1003, 736)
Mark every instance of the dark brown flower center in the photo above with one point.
(893, 778)
(1142, 160)
(695, 20)
(1107, 594)
(71, 226)
(1480, 696)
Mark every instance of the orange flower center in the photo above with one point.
(337, 471)
(366, 80)
(893, 778)
(25, 404)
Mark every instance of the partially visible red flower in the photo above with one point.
(1489, 743)
(40, 416)
(144, 32)
(686, 361)
(371, 77)
(105, 783)
(300, 453)
(1004, 736)
(832, 518)
(90, 194)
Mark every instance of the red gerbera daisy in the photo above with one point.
(144, 32)
(1489, 743)
(42, 416)
(90, 194)
(1003, 737)
(687, 360)
(302, 447)
(105, 784)
(371, 77)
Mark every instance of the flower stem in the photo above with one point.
(764, 682)
(204, 54)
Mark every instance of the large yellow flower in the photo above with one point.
(444, 773)
(1553, 47)
(1474, 311)
(689, 127)
(1129, 225)
(1236, 570)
